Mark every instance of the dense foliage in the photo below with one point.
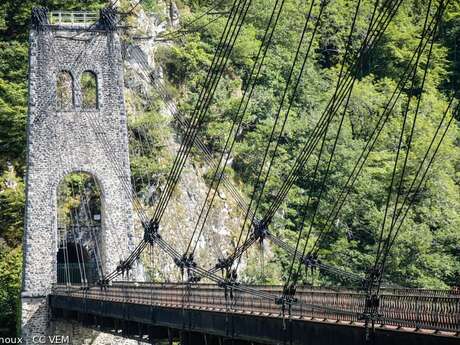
(427, 254)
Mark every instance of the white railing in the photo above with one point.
(72, 18)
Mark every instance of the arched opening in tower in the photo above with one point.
(89, 90)
(79, 230)
(64, 91)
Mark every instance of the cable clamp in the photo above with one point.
(260, 230)
(193, 278)
(230, 280)
(285, 300)
(224, 263)
(151, 231)
(372, 277)
(186, 261)
(124, 266)
(311, 261)
(371, 308)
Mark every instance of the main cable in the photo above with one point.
(177, 33)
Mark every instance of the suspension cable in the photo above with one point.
(238, 119)
(277, 118)
(422, 179)
(381, 23)
(214, 74)
(347, 50)
(178, 117)
(401, 138)
(215, 64)
(369, 144)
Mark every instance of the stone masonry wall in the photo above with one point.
(61, 142)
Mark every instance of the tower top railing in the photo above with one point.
(72, 17)
(106, 19)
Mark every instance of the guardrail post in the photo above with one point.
(336, 302)
(458, 318)
(301, 307)
(417, 310)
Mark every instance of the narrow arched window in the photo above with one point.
(64, 91)
(89, 90)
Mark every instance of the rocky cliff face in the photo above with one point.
(224, 221)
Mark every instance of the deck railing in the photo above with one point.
(435, 311)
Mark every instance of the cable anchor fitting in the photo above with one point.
(39, 18)
(288, 295)
(371, 280)
(103, 283)
(108, 18)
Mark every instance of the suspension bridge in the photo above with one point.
(77, 123)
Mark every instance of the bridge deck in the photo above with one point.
(421, 311)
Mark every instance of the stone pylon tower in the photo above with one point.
(70, 131)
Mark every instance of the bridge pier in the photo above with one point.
(68, 138)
